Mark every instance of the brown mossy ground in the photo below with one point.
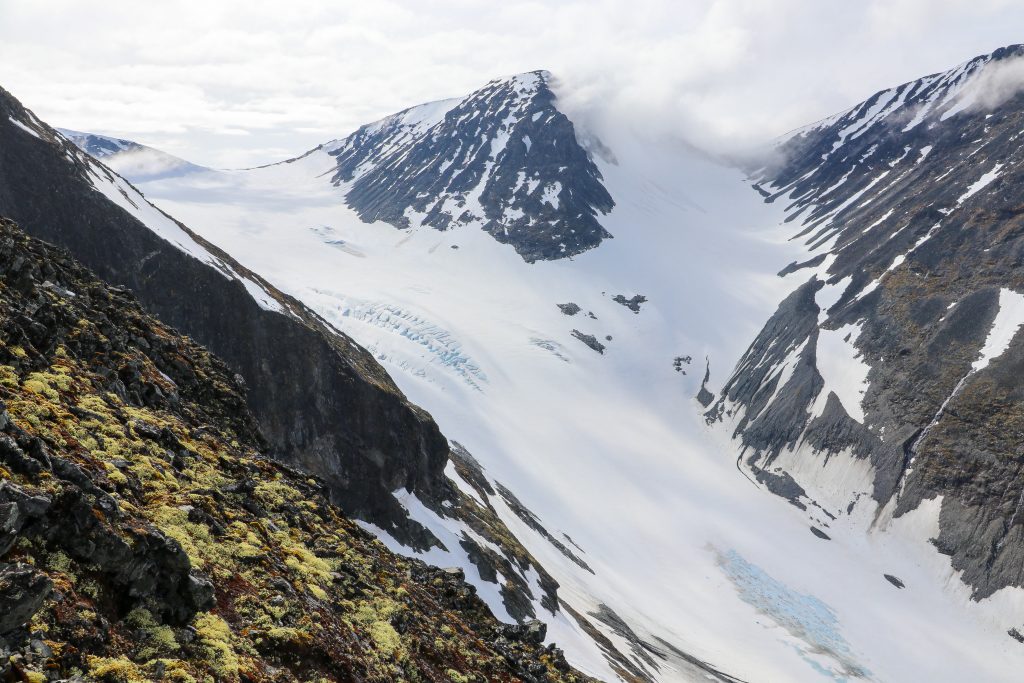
(160, 427)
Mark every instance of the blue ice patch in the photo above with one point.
(803, 616)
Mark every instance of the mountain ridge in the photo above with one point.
(917, 270)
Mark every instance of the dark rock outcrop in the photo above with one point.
(569, 308)
(633, 303)
(704, 396)
(22, 592)
(504, 157)
(590, 340)
(894, 580)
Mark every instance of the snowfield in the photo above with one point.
(612, 448)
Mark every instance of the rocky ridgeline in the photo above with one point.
(144, 537)
(911, 204)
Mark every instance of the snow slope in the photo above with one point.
(611, 450)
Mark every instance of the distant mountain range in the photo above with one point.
(130, 159)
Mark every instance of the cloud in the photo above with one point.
(184, 75)
(996, 83)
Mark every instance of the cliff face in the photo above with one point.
(323, 403)
(144, 537)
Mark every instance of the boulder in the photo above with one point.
(22, 592)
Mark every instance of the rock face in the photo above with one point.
(22, 592)
(633, 303)
(590, 340)
(143, 535)
(503, 158)
(324, 403)
(569, 309)
(912, 200)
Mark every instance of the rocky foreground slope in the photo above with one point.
(143, 535)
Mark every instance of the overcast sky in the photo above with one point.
(229, 84)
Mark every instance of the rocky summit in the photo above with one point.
(144, 535)
(504, 158)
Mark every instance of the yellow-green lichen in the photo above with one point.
(114, 669)
(215, 638)
(156, 639)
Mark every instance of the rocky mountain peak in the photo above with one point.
(503, 159)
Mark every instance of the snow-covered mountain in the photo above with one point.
(631, 394)
(504, 157)
(130, 159)
(891, 375)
